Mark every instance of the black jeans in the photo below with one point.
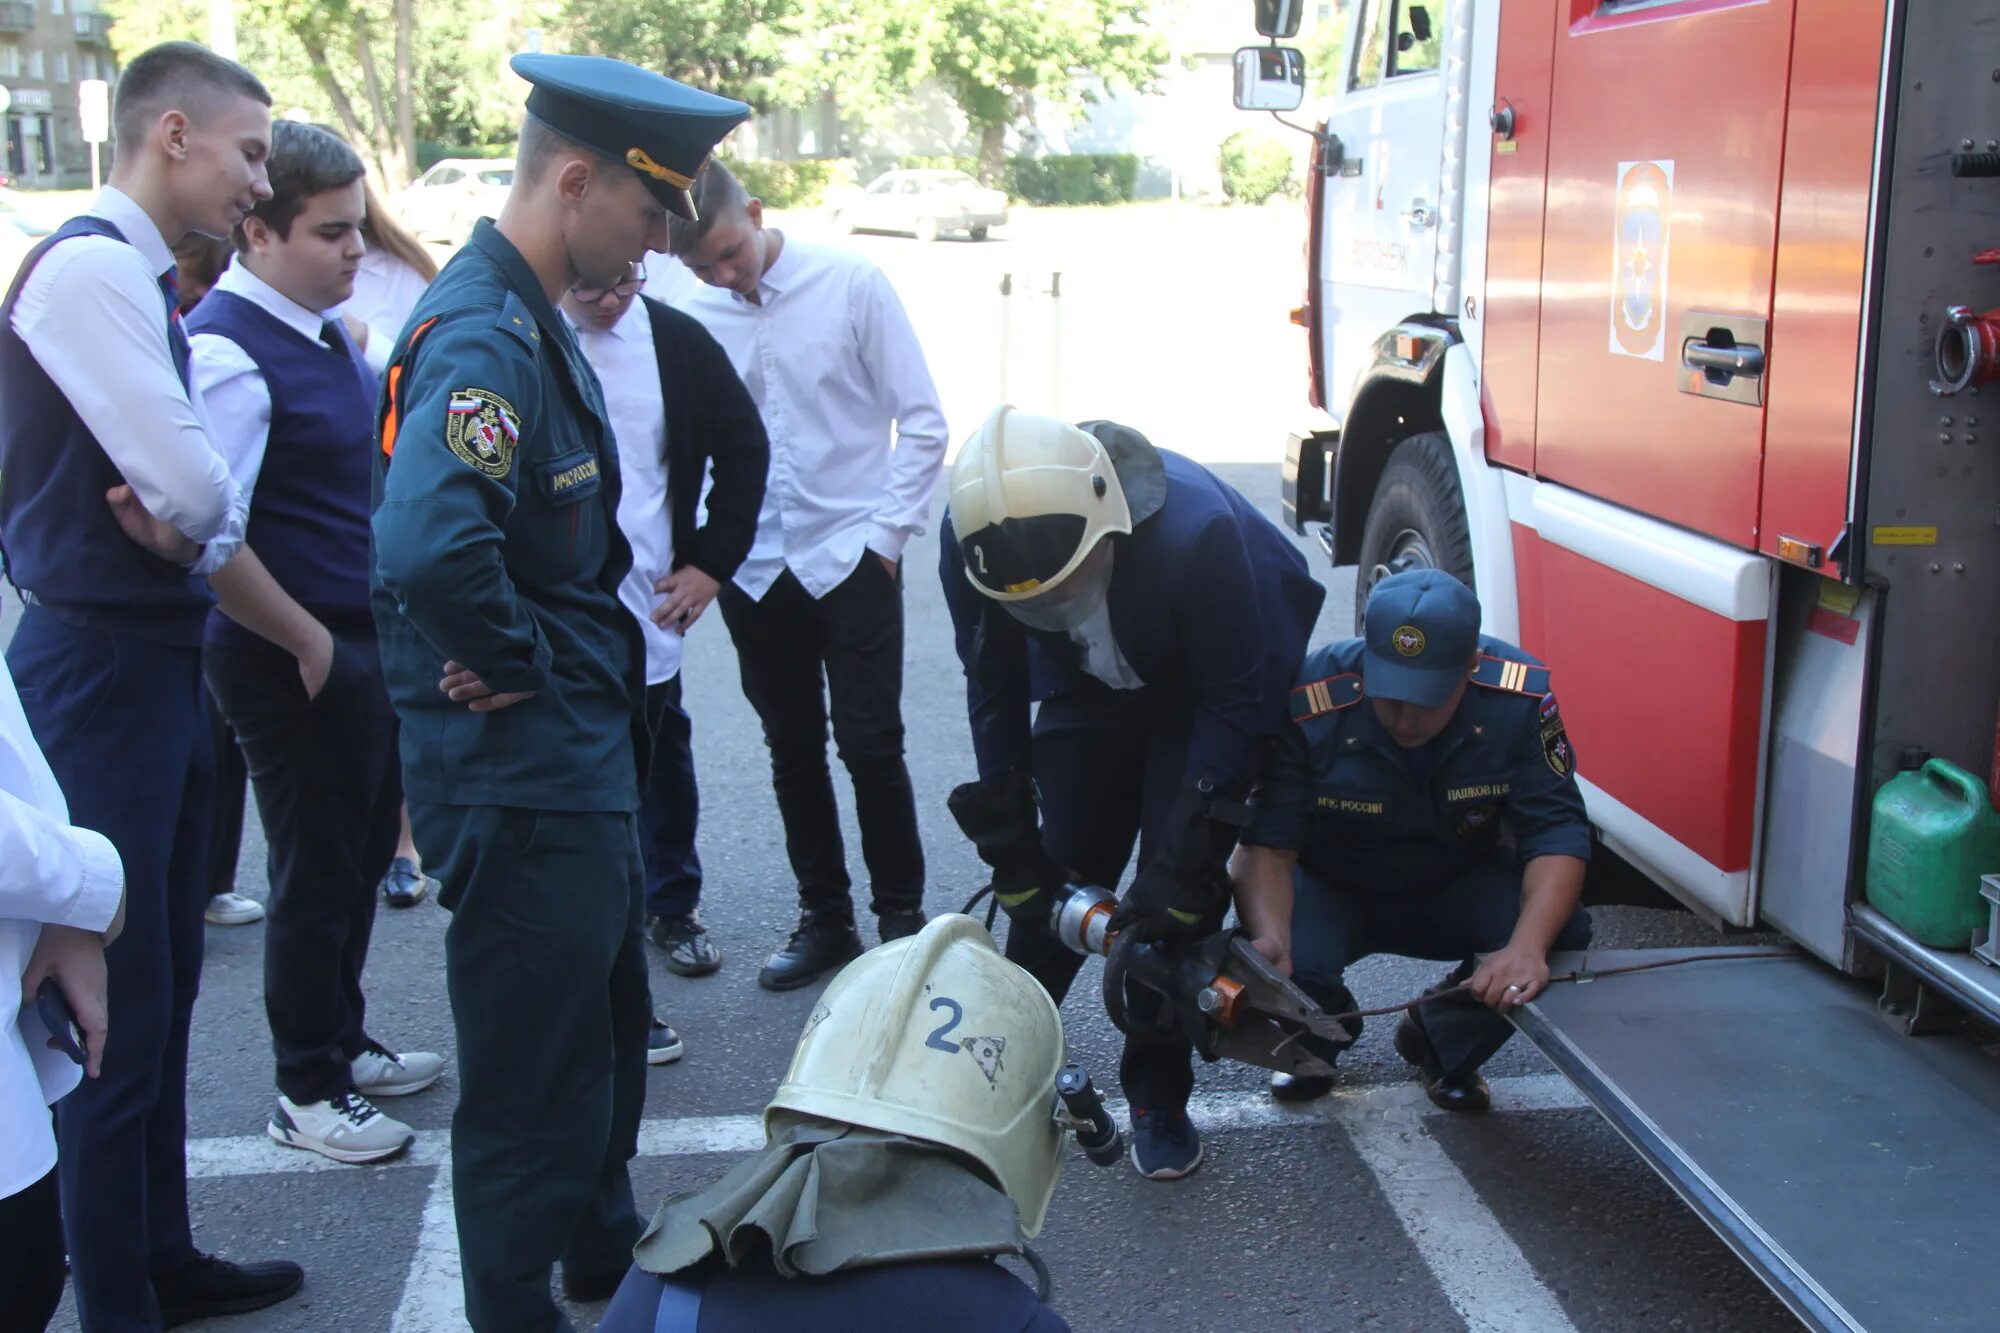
(329, 792)
(795, 653)
(31, 1261)
(670, 806)
(1110, 764)
(232, 781)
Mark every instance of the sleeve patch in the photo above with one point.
(1555, 748)
(1321, 697)
(483, 429)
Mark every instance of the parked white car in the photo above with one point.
(926, 204)
(444, 202)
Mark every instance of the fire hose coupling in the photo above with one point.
(1968, 344)
(1096, 1132)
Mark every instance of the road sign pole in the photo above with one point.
(93, 106)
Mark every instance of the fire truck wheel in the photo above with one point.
(1416, 520)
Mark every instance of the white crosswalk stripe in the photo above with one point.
(1477, 1266)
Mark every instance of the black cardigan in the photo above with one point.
(711, 422)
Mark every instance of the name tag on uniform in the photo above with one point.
(1364, 805)
(1478, 791)
(570, 478)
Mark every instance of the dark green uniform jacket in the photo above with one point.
(497, 546)
(1501, 778)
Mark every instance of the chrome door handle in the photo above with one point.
(1738, 360)
(1723, 356)
(1418, 214)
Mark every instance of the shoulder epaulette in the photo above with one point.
(517, 319)
(1498, 673)
(1325, 696)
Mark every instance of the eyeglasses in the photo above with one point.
(631, 285)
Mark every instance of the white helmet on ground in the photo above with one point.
(1031, 497)
(938, 1037)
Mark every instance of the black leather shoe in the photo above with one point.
(583, 1289)
(210, 1286)
(898, 925)
(1300, 1087)
(1467, 1093)
(821, 944)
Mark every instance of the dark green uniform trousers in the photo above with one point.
(546, 970)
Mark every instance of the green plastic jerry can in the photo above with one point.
(1934, 833)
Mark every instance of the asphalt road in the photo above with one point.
(1364, 1212)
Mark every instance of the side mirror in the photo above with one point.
(1270, 78)
(1279, 19)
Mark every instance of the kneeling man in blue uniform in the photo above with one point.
(1155, 619)
(1423, 802)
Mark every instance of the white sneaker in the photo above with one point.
(233, 909)
(380, 1073)
(348, 1129)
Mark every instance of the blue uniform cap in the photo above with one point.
(1422, 631)
(663, 130)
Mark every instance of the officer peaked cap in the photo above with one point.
(663, 130)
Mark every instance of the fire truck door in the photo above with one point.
(1666, 139)
(1382, 204)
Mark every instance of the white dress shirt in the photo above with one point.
(835, 369)
(93, 316)
(386, 290)
(234, 397)
(50, 872)
(629, 372)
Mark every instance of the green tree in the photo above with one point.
(739, 48)
(386, 73)
(996, 60)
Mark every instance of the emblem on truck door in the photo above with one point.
(1641, 232)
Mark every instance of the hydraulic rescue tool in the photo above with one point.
(1220, 993)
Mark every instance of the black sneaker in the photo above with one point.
(663, 1045)
(685, 939)
(899, 925)
(1164, 1144)
(824, 942)
(210, 1286)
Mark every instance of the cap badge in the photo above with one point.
(1408, 639)
(637, 159)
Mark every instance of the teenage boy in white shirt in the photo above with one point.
(816, 610)
(291, 658)
(678, 414)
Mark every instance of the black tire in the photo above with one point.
(1416, 520)
(979, 233)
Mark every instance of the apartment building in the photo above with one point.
(47, 47)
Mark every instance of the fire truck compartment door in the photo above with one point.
(1666, 144)
(1856, 1170)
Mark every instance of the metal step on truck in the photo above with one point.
(1670, 327)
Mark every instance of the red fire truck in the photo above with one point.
(1656, 322)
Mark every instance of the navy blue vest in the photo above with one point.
(309, 511)
(62, 547)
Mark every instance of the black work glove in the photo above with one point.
(1001, 818)
(1185, 886)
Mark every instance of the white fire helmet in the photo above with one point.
(1031, 496)
(938, 1037)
